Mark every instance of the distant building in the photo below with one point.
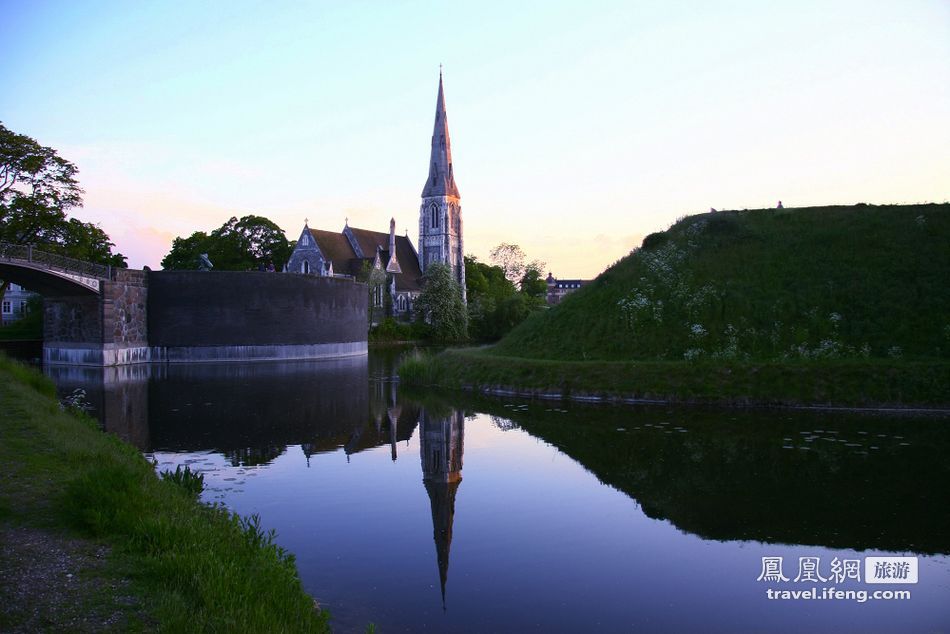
(362, 253)
(13, 304)
(558, 289)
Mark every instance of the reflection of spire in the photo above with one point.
(393, 413)
(441, 446)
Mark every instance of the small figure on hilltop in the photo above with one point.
(204, 264)
(779, 205)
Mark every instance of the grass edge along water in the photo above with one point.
(196, 567)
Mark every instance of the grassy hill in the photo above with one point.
(849, 282)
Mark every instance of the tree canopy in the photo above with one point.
(440, 304)
(495, 303)
(238, 245)
(37, 188)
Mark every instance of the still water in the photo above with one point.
(426, 512)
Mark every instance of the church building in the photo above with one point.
(392, 260)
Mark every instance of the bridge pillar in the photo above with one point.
(107, 329)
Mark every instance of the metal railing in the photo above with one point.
(53, 261)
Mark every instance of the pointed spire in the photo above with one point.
(441, 181)
(392, 266)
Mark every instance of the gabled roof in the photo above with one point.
(336, 247)
(410, 277)
(333, 246)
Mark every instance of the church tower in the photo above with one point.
(440, 216)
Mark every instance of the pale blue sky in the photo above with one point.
(577, 127)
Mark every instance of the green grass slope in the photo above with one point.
(196, 568)
(774, 284)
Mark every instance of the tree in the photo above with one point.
(185, 251)
(495, 303)
(257, 237)
(440, 304)
(37, 187)
(510, 258)
(533, 283)
(238, 245)
(87, 241)
(380, 303)
(486, 281)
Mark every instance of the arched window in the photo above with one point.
(402, 303)
(305, 267)
(434, 216)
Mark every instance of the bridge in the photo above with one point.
(50, 273)
(107, 316)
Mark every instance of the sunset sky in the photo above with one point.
(577, 127)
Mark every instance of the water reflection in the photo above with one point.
(333, 447)
(834, 479)
(441, 443)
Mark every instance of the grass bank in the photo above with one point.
(826, 382)
(862, 282)
(814, 306)
(192, 567)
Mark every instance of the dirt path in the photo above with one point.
(53, 583)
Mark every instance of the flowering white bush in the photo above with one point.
(692, 354)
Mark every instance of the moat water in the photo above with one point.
(422, 511)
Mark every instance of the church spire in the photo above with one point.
(441, 181)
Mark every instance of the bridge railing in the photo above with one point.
(25, 252)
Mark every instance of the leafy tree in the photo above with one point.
(375, 280)
(185, 251)
(258, 237)
(238, 245)
(87, 241)
(37, 188)
(485, 280)
(440, 305)
(495, 304)
(533, 282)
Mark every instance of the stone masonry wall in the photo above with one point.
(74, 319)
(125, 309)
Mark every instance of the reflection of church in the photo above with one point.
(441, 443)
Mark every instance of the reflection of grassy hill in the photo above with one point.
(820, 282)
(834, 479)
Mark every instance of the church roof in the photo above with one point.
(333, 246)
(441, 181)
(410, 279)
(337, 248)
